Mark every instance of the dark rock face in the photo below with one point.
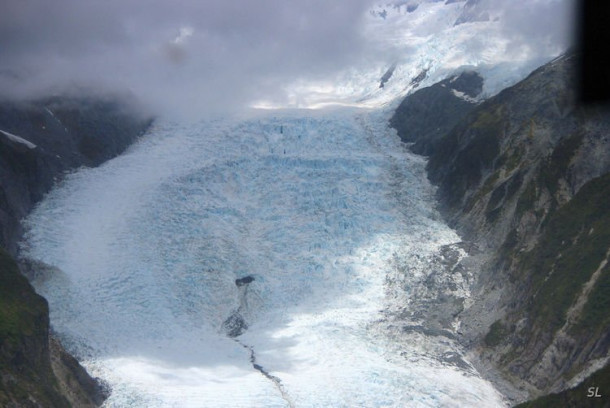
(80, 389)
(235, 325)
(35, 370)
(525, 176)
(427, 115)
(244, 281)
(25, 368)
(68, 133)
(387, 75)
(469, 83)
(419, 78)
(588, 394)
(39, 142)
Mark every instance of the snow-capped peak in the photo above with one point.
(407, 38)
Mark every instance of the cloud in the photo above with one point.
(199, 56)
(543, 26)
(202, 54)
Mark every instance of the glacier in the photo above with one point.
(324, 209)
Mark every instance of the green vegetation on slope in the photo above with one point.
(594, 392)
(555, 167)
(466, 154)
(20, 311)
(496, 334)
(596, 313)
(27, 379)
(572, 247)
(523, 174)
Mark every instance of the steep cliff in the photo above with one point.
(588, 394)
(39, 142)
(27, 377)
(435, 110)
(525, 178)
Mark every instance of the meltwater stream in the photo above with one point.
(325, 211)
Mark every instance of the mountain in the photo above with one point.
(39, 142)
(435, 110)
(584, 395)
(524, 177)
(416, 37)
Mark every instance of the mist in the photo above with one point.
(211, 56)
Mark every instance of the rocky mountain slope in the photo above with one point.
(588, 394)
(39, 142)
(435, 110)
(524, 177)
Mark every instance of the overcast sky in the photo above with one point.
(204, 54)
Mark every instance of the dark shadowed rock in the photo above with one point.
(235, 325)
(25, 366)
(244, 281)
(39, 142)
(387, 75)
(419, 78)
(428, 114)
(68, 133)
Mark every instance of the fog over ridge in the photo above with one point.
(213, 55)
